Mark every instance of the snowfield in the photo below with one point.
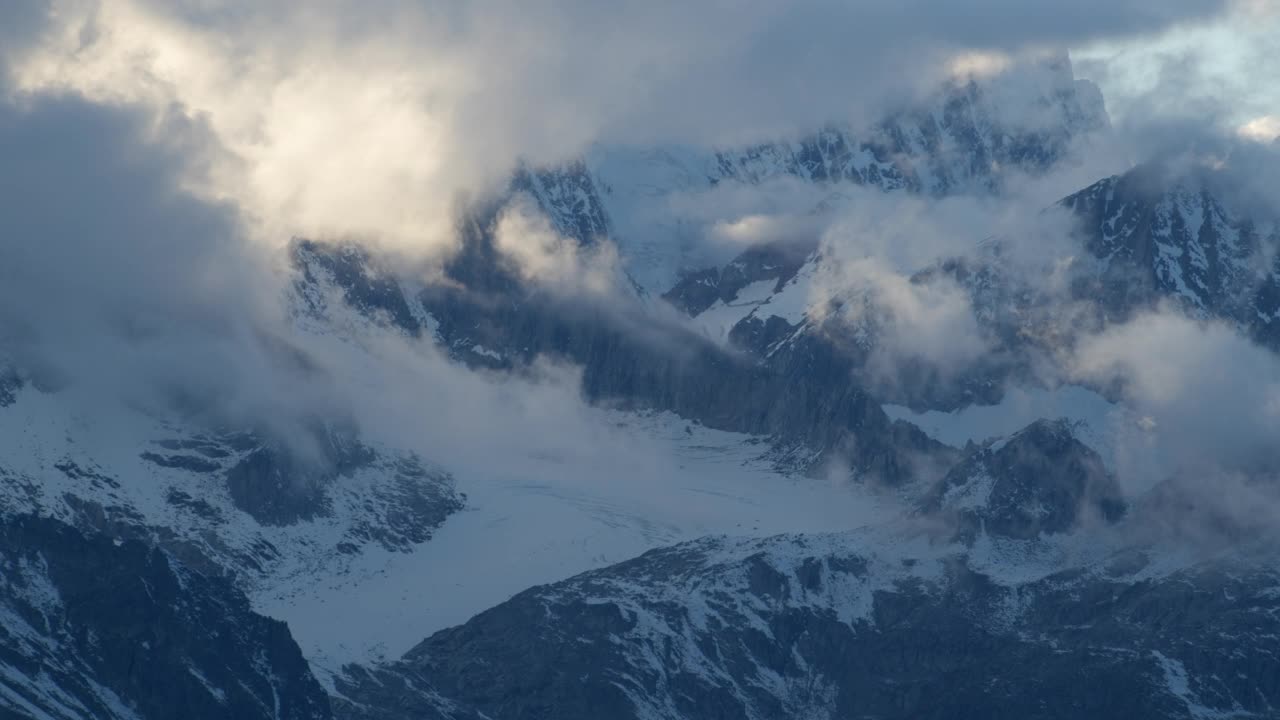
(552, 521)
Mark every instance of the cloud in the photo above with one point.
(1208, 512)
(1210, 396)
(121, 287)
(1261, 129)
(119, 282)
(23, 22)
(1239, 172)
(754, 229)
(871, 250)
(368, 118)
(526, 240)
(1219, 72)
(904, 322)
(872, 245)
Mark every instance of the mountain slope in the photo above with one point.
(970, 137)
(232, 503)
(1021, 589)
(852, 626)
(1161, 234)
(104, 628)
(1149, 238)
(1040, 480)
(628, 360)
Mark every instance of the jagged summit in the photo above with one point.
(1041, 480)
(967, 138)
(1159, 233)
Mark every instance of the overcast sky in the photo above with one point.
(367, 117)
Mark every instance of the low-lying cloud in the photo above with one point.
(539, 254)
(1212, 396)
(116, 279)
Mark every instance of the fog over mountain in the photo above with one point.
(416, 359)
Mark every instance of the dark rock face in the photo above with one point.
(628, 360)
(95, 627)
(1041, 480)
(964, 141)
(410, 507)
(1003, 306)
(569, 196)
(276, 488)
(778, 262)
(274, 482)
(364, 284)
(832, 154)
(1165, 235)
(806, 627)
(1153, 237)
(212, 501)
(183, 462)
(280, 485)
(10, 384)
(276, 485)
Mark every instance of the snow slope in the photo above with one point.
(553, 520)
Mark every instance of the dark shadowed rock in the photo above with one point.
(807, 626)
(182, 462)
(630, 362)
(1040, 480)
(10, 384)
(1162, 234)
(280, 484)
(364, 284)
(775, 262)
(103, 628)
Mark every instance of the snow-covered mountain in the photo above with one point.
(1037, 607)
(971, 137)
(502, 324)
(231, 503)
(1150, 238)
(1008, 541)
(139, 546)
(738, 488)
(853, 625)
(1162, 234)
(95, 626)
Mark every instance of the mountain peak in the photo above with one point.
(1166, 231)
(1040, 480)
